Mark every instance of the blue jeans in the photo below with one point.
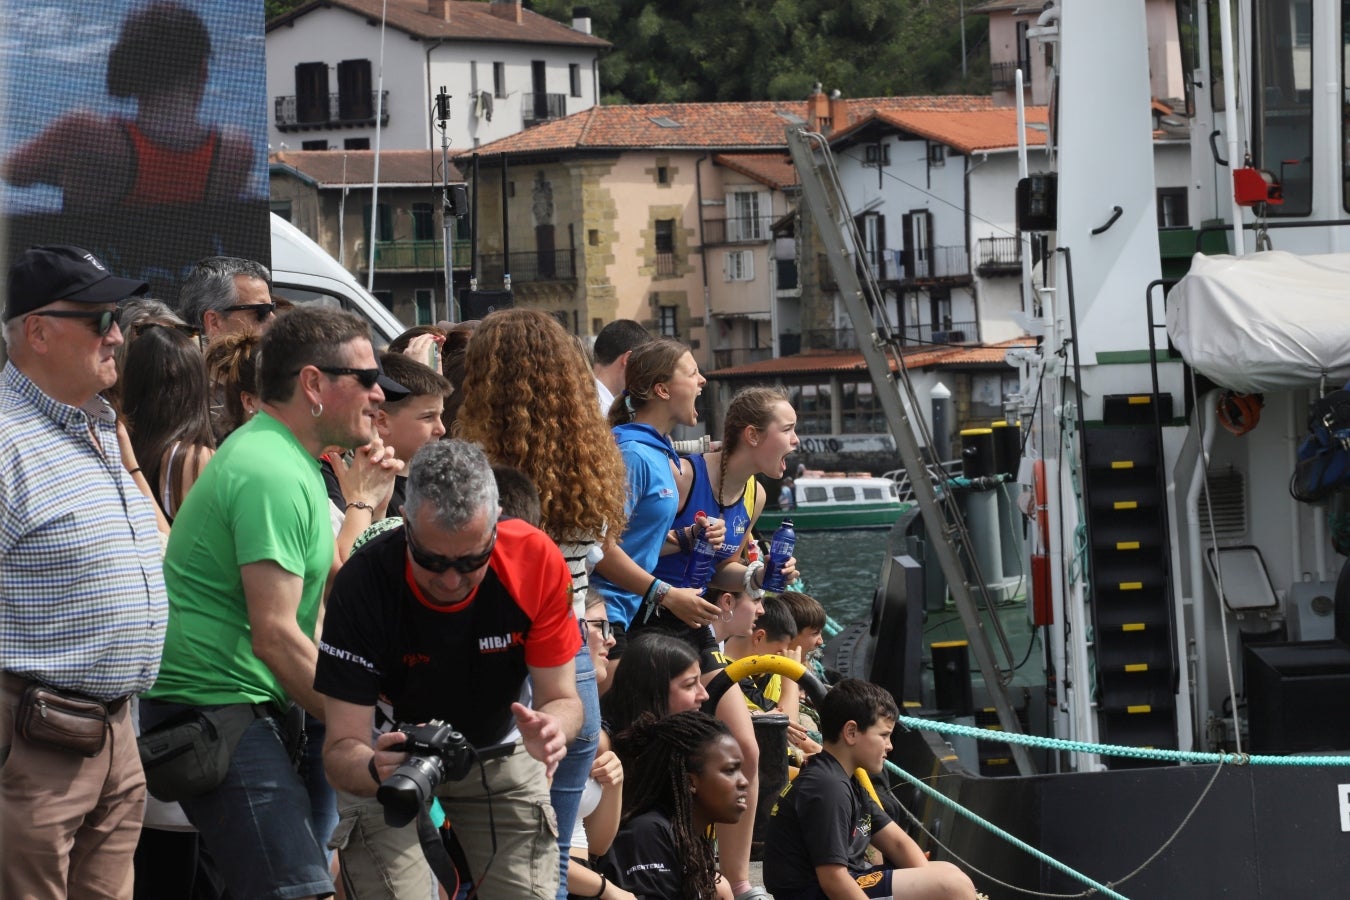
(322, 798)
(570, 778)
(256, 825)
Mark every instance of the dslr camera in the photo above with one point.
(436, 753)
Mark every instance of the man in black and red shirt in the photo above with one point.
(445, 618)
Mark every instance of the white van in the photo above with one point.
(304, 273)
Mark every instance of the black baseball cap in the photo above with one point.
(43, 275)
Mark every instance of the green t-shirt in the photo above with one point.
(261, 497)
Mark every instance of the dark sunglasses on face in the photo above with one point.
(101, 321)
(367, 377)
(438, 564)
(602, 626)
(261, 310)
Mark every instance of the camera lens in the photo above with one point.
(408, 789)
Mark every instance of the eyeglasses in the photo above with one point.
(461, 564)
(101, 321)
(602, 626)
(261, 310)
(367, 377)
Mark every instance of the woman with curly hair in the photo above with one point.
(529, 401)
(688, 777)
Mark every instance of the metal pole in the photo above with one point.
(506, 233)
(375, 176)
(447, 216)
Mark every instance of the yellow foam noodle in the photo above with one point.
(1140, 400)
(1125, 504)
(1139, 709)
(1131, 585)
(1132, 626)
(1136, 667)
(1122, 464)
(1127, 545)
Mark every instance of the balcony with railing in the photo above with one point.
(1003, 75)
(528, 266)
(830, 339)
(737, 230)
(338, 110)
(998, 256)
(936, 265)
(945, 333)
(417, 256)
(727, 357)
(536, 109)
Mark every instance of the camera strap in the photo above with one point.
(444, 853)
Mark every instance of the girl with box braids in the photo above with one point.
(686, 776)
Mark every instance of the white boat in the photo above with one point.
(1186, 638)
(838, 501)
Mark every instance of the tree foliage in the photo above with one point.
(675, 50)
(705, 50)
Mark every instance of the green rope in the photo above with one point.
(1189, 756)
(1012, 839)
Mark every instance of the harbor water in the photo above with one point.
(841, 569)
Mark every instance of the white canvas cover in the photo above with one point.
(1263, 322)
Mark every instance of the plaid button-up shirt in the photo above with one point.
(82, 602)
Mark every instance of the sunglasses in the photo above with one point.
(367, 377)
(261, 310)
(101, 321)
(438, 564)
(602, 626)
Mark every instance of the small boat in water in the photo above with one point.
(831, 501)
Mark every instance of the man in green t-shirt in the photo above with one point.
(248, 558)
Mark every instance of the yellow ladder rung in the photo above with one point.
(1136, 667)
(1127, 545)
(1139, 709)
(1122, 464)
(1132, 626)
(1131, 585)
(1125, 504)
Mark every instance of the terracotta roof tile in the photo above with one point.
(966, 130)
(701, 126)
(334, 168)
(822, 363)
(469, 21)
(774, 170)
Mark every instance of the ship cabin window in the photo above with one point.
(1282, 100)
(845, 494)
(816, 495)
(872, 494)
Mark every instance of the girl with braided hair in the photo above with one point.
(687, 778)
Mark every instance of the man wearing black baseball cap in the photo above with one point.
(82, 601)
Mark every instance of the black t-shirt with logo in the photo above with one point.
(642, 859)
(823, 817)
(464, 664)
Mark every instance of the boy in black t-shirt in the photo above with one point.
(823, 821)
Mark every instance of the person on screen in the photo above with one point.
(164, 156)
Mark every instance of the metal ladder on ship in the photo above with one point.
(824, 197)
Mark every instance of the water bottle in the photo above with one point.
(698, 571)
(780, 551)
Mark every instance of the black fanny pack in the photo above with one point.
(189, 754)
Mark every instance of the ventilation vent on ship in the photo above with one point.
(1228, 502)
